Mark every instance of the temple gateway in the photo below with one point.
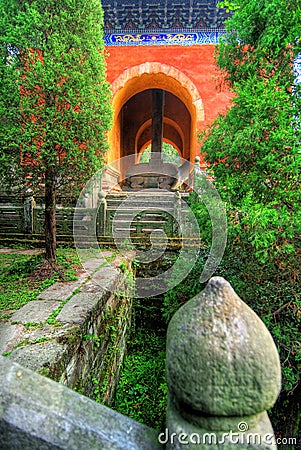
(165, 85)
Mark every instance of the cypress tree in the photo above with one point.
(54, 100)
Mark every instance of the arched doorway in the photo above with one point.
(136, 125)
(131, 130)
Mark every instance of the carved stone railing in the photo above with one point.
(223, 373)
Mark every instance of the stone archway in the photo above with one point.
(130, 91)
(173, 135)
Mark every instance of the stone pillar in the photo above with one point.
(223, 373)
(157, 123)
(102, 229)
(197, 172)
(29, 205)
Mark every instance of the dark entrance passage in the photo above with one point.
(135, 120)
(151, 117)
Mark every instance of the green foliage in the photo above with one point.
(22, 278)
(228, 5)
(94, 338)
(202, 216)
(270, 288)
(262, 39)
(272, 291)
(169, 154)
(67, 265)
(15, 291)
(55, 102)
(255, 156)
(54, 99)
(254, 150)
(256, 159)
(185, 290)
(21, 266)
(142, 390)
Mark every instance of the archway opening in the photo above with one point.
(135, 126)
(130, 89)
(169, 154)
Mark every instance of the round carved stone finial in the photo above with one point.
(101, 195)
(221, 359)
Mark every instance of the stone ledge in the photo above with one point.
(37, 413)
(41, 356)
(62, 290)
(36, 311)
(78, 309)
(78, 337)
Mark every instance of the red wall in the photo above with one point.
(196, 62)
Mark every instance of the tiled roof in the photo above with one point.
(162, 15)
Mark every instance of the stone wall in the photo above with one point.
(75, 332)
(23, 219)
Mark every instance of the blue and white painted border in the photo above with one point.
(163, 38)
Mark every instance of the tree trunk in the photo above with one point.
(50, 214)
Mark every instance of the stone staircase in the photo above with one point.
(141, 213)
(136, 216)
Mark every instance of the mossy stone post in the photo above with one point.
(223, 374)
(102, 214)
(196, 171)
(29, 205)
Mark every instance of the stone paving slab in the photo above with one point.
(103, 279)
(31, 251)
(91, 287)
(39, 355)
(94, 263)
(78, 308)
(62, 290)
(84, 295)
(35, 311)
(49, 332)
(10, 335)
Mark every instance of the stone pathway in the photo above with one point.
(31, 251)
(73, 297)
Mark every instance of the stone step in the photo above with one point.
(141, 212)
(142, 197)
(142, 206)
(145, 218)
(134, 231)
(154, 223)
(142, 192)
(138, 211)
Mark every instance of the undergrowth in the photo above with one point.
(24, 276)
(270, 288)
(142, 390)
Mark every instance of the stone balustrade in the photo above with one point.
(223, 373)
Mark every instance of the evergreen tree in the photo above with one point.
(254, 150)
(54, 100)
(255, 155)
